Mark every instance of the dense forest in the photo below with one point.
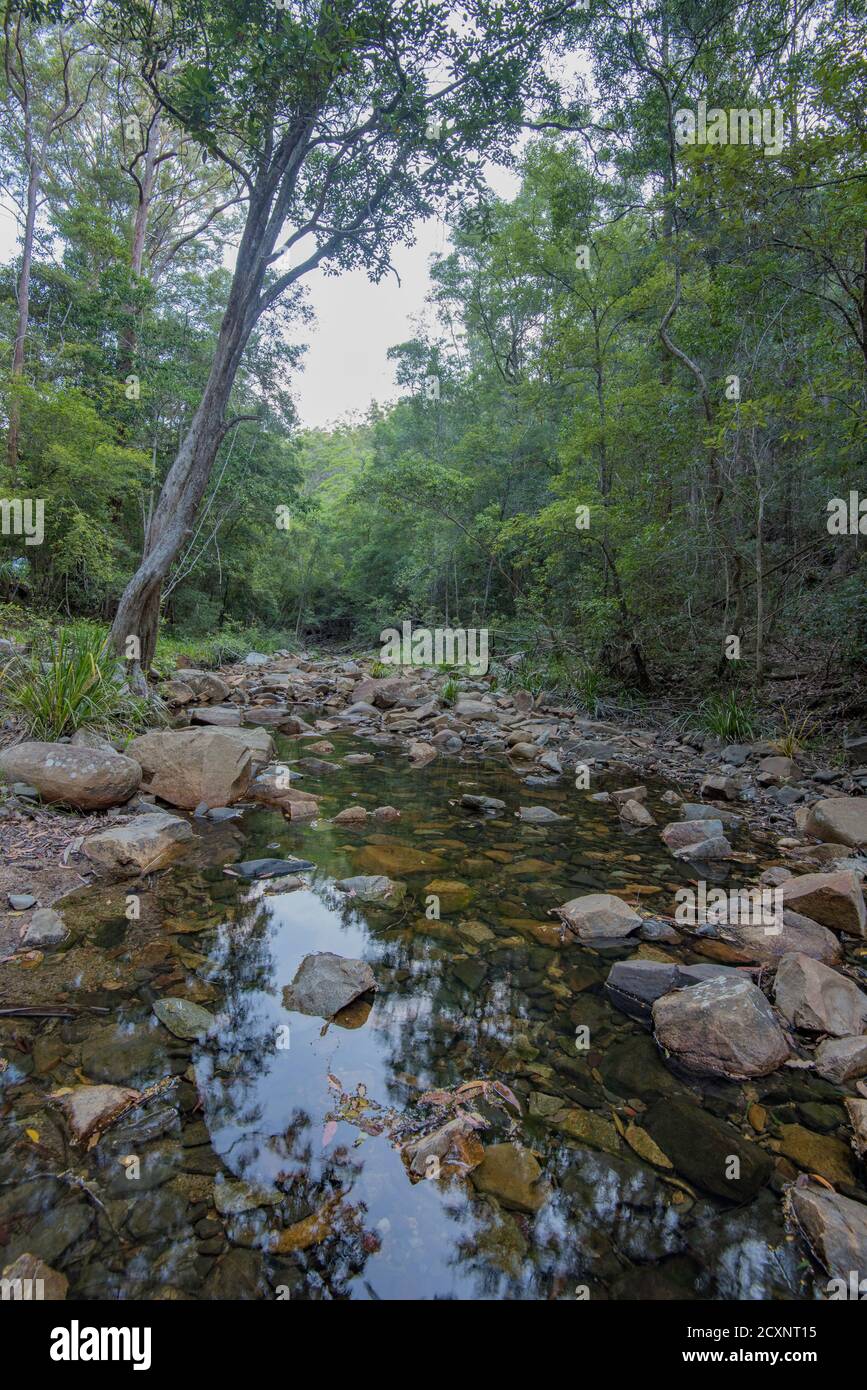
(638, 388)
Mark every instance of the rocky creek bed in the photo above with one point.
(338, 991)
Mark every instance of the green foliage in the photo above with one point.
(73, 682)
(732, 716)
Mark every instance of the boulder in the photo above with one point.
(633, 813)
(817, 999)
(699, 810)
(779, 769)
(510, 1173)
(723, 1027)
(834, 899)
(326, 983)
(633, 986)
(183, 1018)
(144, 844)
(840, 819)
(767, 944)
(227, 715)
(720, 786)
(189, 766)
(857, 1112)
(842, 1059)
(206, 686)
(482, 805)
(684, 834)
(87, 778)
(351, 815)
(597, 916)
(273, 787)
(472, 710)
(373, 888)
(420, 754)
(834, 1227)
(538, 815)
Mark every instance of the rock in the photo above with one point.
(358, 759)
(88, 1108)
(483, 805)
(596, 916)
(834, 899)
(634, 985)
(271, 868)
(273, 787)
(817, 999)
(834, 1227)
(386, 813)
(206, 686)
(229, 715)
(702, 1147)
(394, 858)
(841, 819)
(145, 844)
(635, 814)
(420, 754)
(857, 1112)
(452, 1149)
(625, 794)
(177, 692)
(683, 834)
(189, 766)
(698, 810)
(724, 1027)
(842, 1059)
(588, 1127)
(184, 1018)
(511, 1174)
(317, 767)
(471, 710)
(736, 754)
(234, 1198)
(122, 1054)
(351, 815)
(44, 930)
(822, 1154)
(373, 888)
(326, 983)
(36, 1280)
(768, 944)
(780, 769)
(538, 815)
(453, 895)
(20, 902)
(87, 778)
(720, 786)
(256, 659)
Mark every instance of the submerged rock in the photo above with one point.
(702, 1148)
(184, 1018)
(271, 868)
(483, 805)
(373, 888)
(538, 815)
(511, 1174)
(326, 983)
(45, 1283)
(87, 778)
(817, 999)
(46, 928)
(724, 1027)
(88, 1108)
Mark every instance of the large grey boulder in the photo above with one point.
(326, 983)
(598, 916)
(145, 844)
(768, 943)
(834, 1227)
(841, 820)
(87, 778)
(819, 1000)
(842, 1059)
(724, 1027)
(189, 766)
(835, 899)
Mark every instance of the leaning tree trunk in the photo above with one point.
(138, 611)
(23, 319)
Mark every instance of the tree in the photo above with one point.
(327, 114)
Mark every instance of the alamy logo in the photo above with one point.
(855, 1289)
(737, 126)
(438, 646)
(745, 907)
(77, 1343)
(848, 517)
(21, 1290)
(23, 518)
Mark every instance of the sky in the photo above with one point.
(345, 366)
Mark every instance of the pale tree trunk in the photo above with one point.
(128, 340)
(23, 309)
